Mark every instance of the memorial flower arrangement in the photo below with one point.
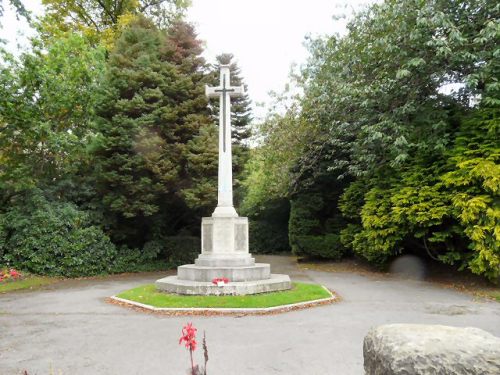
(9, 275)
(189, 339)
(220, 281)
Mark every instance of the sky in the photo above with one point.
(266, 36)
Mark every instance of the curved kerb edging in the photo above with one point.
(232, 311)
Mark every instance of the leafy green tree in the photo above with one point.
(47, 100)
(19, 7)
(268, 173)
(416, 164)
(376, 91)
(392, 122)
(102, 20)
(269, 181)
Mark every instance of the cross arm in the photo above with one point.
(237, 91)
(210, 92)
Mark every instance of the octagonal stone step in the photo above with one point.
(172, 284)
(193, 272)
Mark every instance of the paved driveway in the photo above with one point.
(69, 329)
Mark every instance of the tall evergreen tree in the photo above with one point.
(200, 193)
(152, 108)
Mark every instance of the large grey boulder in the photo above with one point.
(411, 349)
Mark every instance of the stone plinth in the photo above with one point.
(224, 260)
(402, 349)
(194, 272)
(224, 238)
(172, 284)
(224, 253)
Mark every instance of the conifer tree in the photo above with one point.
(153, 106)
(200, 193)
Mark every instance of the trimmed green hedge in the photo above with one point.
(327, 246)
(268, 237)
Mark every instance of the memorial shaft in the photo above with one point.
(225, 183)
(225, 173)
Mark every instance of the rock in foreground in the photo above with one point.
(411, 349)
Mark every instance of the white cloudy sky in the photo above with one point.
(266, 36)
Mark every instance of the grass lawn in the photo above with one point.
(30, 282)
(300, 292)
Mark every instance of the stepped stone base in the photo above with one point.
(193, 272)
(172, 284)
(224, 253)
(224, 260)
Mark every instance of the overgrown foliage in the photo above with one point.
(43, 134)
(108, 152)
(102, 21)
(53, 238)
(398, 124)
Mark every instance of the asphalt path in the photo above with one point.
(69, 329)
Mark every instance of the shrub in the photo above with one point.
(326, 246)
(54, 238)
(268, 226)
(180, 250)
(304, 216)
(310, 232)
(268, 237)
(134, 260)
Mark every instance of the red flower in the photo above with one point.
(189, 336)
(14, 273)
(225, 280)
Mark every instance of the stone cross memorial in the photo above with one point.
(225, 191)
(224, 235)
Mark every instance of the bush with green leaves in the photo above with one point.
(268, 227)
(179, 250)
(447, 210)
(311, 233)
(474, 190)
(268, 236)
(326, 246)
(53, 238)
